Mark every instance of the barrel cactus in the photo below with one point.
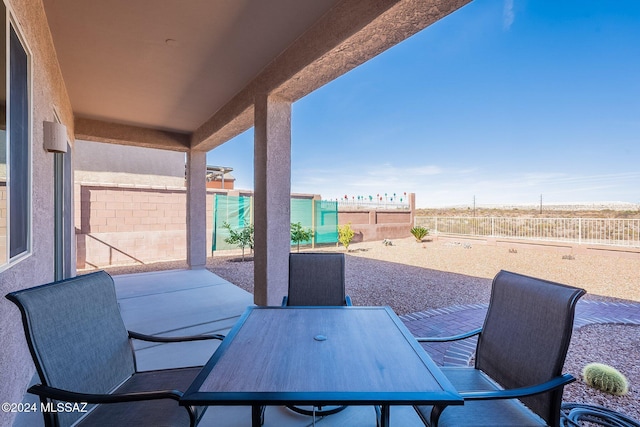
(605, 378)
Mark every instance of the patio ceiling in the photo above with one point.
(179, 75)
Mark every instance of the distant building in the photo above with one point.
(219, 177)
(101, 163)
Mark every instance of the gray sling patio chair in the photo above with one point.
(519, 358)
(316, 279)
(82, 353)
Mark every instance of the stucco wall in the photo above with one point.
(122, 164)
(3, 219)
(48, 92)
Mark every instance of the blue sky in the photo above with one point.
(502, 100)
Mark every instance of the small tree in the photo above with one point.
(299, 234)
(345, 235)
(242, 238)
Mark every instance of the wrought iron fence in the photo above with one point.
(601, 231)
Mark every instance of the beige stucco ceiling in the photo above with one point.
(172, 67)
(169, 64)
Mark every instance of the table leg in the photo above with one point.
(384, 415)
(257, 415)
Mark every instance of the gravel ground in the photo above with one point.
(411, 277)
(615, 345)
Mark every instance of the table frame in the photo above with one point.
(447, 395)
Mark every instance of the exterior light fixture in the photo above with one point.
(55, 137)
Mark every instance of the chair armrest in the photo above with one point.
(71, 396)
(155, 338)
(452, 338)
(519, 392)
(347, 300)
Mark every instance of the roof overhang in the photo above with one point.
(183, 75)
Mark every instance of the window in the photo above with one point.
(15, 146)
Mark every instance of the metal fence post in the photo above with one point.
(579, 231)
(313, 224)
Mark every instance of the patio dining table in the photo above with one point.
(320, 356)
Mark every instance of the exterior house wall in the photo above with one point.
(48, 94)
(3, 218)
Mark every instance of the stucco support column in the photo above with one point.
(196, 209)
(272, 187)
(373, 216)
(412, 207)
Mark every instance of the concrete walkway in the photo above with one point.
(178, 303)
(457, 319)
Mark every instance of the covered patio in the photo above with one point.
(190, 78)
(173, 76)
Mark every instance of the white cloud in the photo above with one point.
(371, 180)
(508, 15)
(442, 186)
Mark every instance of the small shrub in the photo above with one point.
(345, 235)
(605, 378)
(419, 233)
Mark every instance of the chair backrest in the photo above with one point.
(316, 279)
(76, 335)
(526, 336)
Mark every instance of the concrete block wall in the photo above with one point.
(125, 224)
(371, 225)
